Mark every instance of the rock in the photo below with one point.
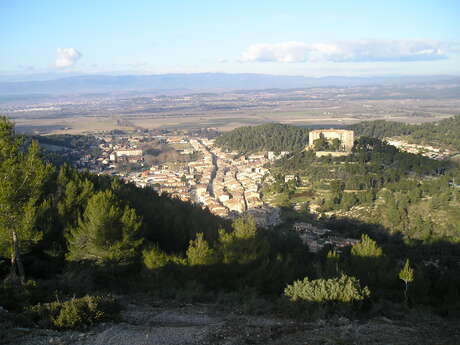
(342, 321)
(385, 319)
(321, 323)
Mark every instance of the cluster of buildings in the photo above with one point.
(125, 149)
(225, 183)
(424, 150)
(317, 238)
(230, 186)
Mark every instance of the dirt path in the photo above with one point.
(148, 323)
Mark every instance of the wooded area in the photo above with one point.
(67, 233)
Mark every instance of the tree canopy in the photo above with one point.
(22, 178)
(440, 133)
(269, 137)
(106, 232)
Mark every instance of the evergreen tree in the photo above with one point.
(366, 248)
(199, 252)
(22, 177)
(348, 201)
(332, 263)
(407, 276)
(321, 144)
(244, 244)
(335, 144)
(73, 195)
(367, 262)
(106, 232)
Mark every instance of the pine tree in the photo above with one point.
(407, 276)
(199, 252)
(332, 263)
(22, 177)
(106, 232)
(367, 248)
(321, 144)
(367, 262)
(74, 193)
(244, 244)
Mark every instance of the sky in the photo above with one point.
(310, 38)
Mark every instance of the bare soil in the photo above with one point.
(149, 322)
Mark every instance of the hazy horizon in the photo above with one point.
(298, 38)
(26, 77)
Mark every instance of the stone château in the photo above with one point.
(346, 137)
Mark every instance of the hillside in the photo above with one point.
(444, 133)
(270, 137)
(78, 246)
(401, 192)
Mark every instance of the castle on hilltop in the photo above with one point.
(346, 137)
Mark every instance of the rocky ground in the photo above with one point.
(148, 322)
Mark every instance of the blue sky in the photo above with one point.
(312, 38)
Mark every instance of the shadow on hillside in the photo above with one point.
(436, 264)
(436, 270)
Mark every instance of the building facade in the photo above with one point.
(346, 137)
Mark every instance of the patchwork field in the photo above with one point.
(320, 107)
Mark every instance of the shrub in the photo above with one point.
(15, 298)
(75, 313)
(344, 289)
(155, 258)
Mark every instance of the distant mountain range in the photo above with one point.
(200, 82)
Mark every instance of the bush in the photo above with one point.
(344, 289)
(14, 297)
(155, 258)
(75, 313)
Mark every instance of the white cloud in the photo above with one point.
(67, 57)
(350, 51)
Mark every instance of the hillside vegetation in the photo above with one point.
(392, 195)
(70, 239)
(403, 192)
(269, 137)
(444, 133)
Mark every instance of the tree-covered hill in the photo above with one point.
(268, 137)
(442, 133)
(403, 192)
